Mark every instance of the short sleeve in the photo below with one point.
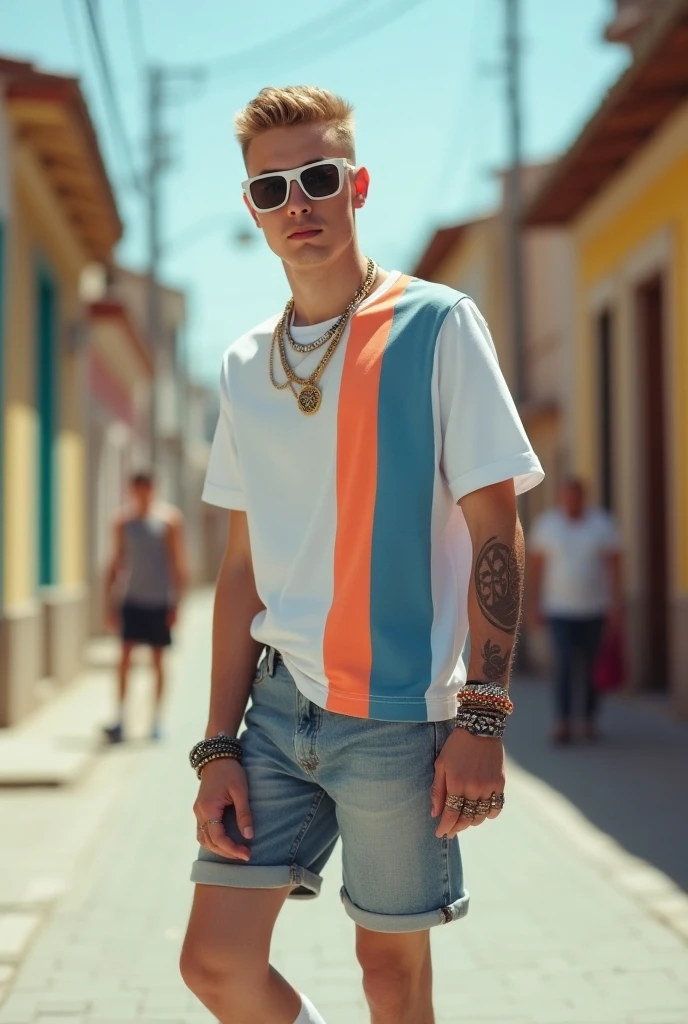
(224, 485)
(483, 440)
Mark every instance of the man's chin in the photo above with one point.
(307, 254)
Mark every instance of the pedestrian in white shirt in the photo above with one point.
(574, 553)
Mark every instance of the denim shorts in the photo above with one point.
(315, 775)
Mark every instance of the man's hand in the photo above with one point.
(223, 783)
(470, 766)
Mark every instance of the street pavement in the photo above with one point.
(569, 924)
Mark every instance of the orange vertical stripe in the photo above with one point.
(347, 649)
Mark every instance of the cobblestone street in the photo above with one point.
(565, 926)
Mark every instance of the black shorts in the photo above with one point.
(144, 625)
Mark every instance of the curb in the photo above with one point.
(646, 885)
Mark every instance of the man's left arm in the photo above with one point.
(473, 766)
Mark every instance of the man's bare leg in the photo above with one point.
(159, 670)
(397, 976)
(225, 959)
(115, 732)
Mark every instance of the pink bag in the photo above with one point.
(609, 670)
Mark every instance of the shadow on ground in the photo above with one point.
(632, 784)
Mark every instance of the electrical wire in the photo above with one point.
(137, 37)
(110, 92)
(362, 23)
(78, 51)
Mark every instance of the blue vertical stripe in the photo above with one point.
(401, 608)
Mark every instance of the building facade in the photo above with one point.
(621, 191)
(57, 214)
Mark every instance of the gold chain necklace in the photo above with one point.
(331, 331)
(309, 395)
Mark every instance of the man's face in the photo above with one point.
(573, 499)
(142, 495)
(305, 231)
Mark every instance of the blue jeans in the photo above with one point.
(576, 643)
(315, 775)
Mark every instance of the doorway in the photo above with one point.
(47, 370)
(655, 661)
(605, 408)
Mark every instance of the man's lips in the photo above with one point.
(301, 233)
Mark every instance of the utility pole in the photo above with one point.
(155, 166)
(514, 192)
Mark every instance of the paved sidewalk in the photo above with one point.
(553, 936)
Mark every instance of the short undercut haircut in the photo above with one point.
(296, 104)
(142, 478)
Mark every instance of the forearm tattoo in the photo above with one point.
(495, 664)
(499, 571)
(498, 583)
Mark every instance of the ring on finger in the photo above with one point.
(483, 807)
(212, 821)
(455, 803)
(496, 801)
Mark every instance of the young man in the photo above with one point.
(149, 559)
(575, 586)
(367, 444)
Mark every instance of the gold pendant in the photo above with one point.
(309, 399)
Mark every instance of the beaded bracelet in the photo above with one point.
(489, 725)
(224, 755)
(485, 696)
(213, 748)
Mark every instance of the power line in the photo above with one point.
(109, 89)
(362, 23)
(74, 37)
(136, 33)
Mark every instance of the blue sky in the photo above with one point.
(424, 76)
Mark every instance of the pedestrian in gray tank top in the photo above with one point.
(145, 581)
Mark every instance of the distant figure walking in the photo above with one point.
(145, 581)
(575, 574)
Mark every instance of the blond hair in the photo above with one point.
(295, 104)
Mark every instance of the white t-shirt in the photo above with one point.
(361, 555)
(576, 581)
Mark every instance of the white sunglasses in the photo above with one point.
(323, 179)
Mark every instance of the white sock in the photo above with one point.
(309, 1014)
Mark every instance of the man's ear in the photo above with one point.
(252, 211)
(361, 186)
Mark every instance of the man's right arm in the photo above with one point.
(235, 656)
(235, 652)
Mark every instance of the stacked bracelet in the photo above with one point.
(483, 709)
(213, 749)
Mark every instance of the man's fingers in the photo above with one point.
(221, 842)
(448, 822)
(239, 794)
(438, 791)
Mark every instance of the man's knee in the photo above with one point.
(217, 975)
(395, 969)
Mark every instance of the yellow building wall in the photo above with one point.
(38, 230)
(634, 217)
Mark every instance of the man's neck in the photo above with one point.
(323, 292)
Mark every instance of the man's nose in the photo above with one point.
(298, 200)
